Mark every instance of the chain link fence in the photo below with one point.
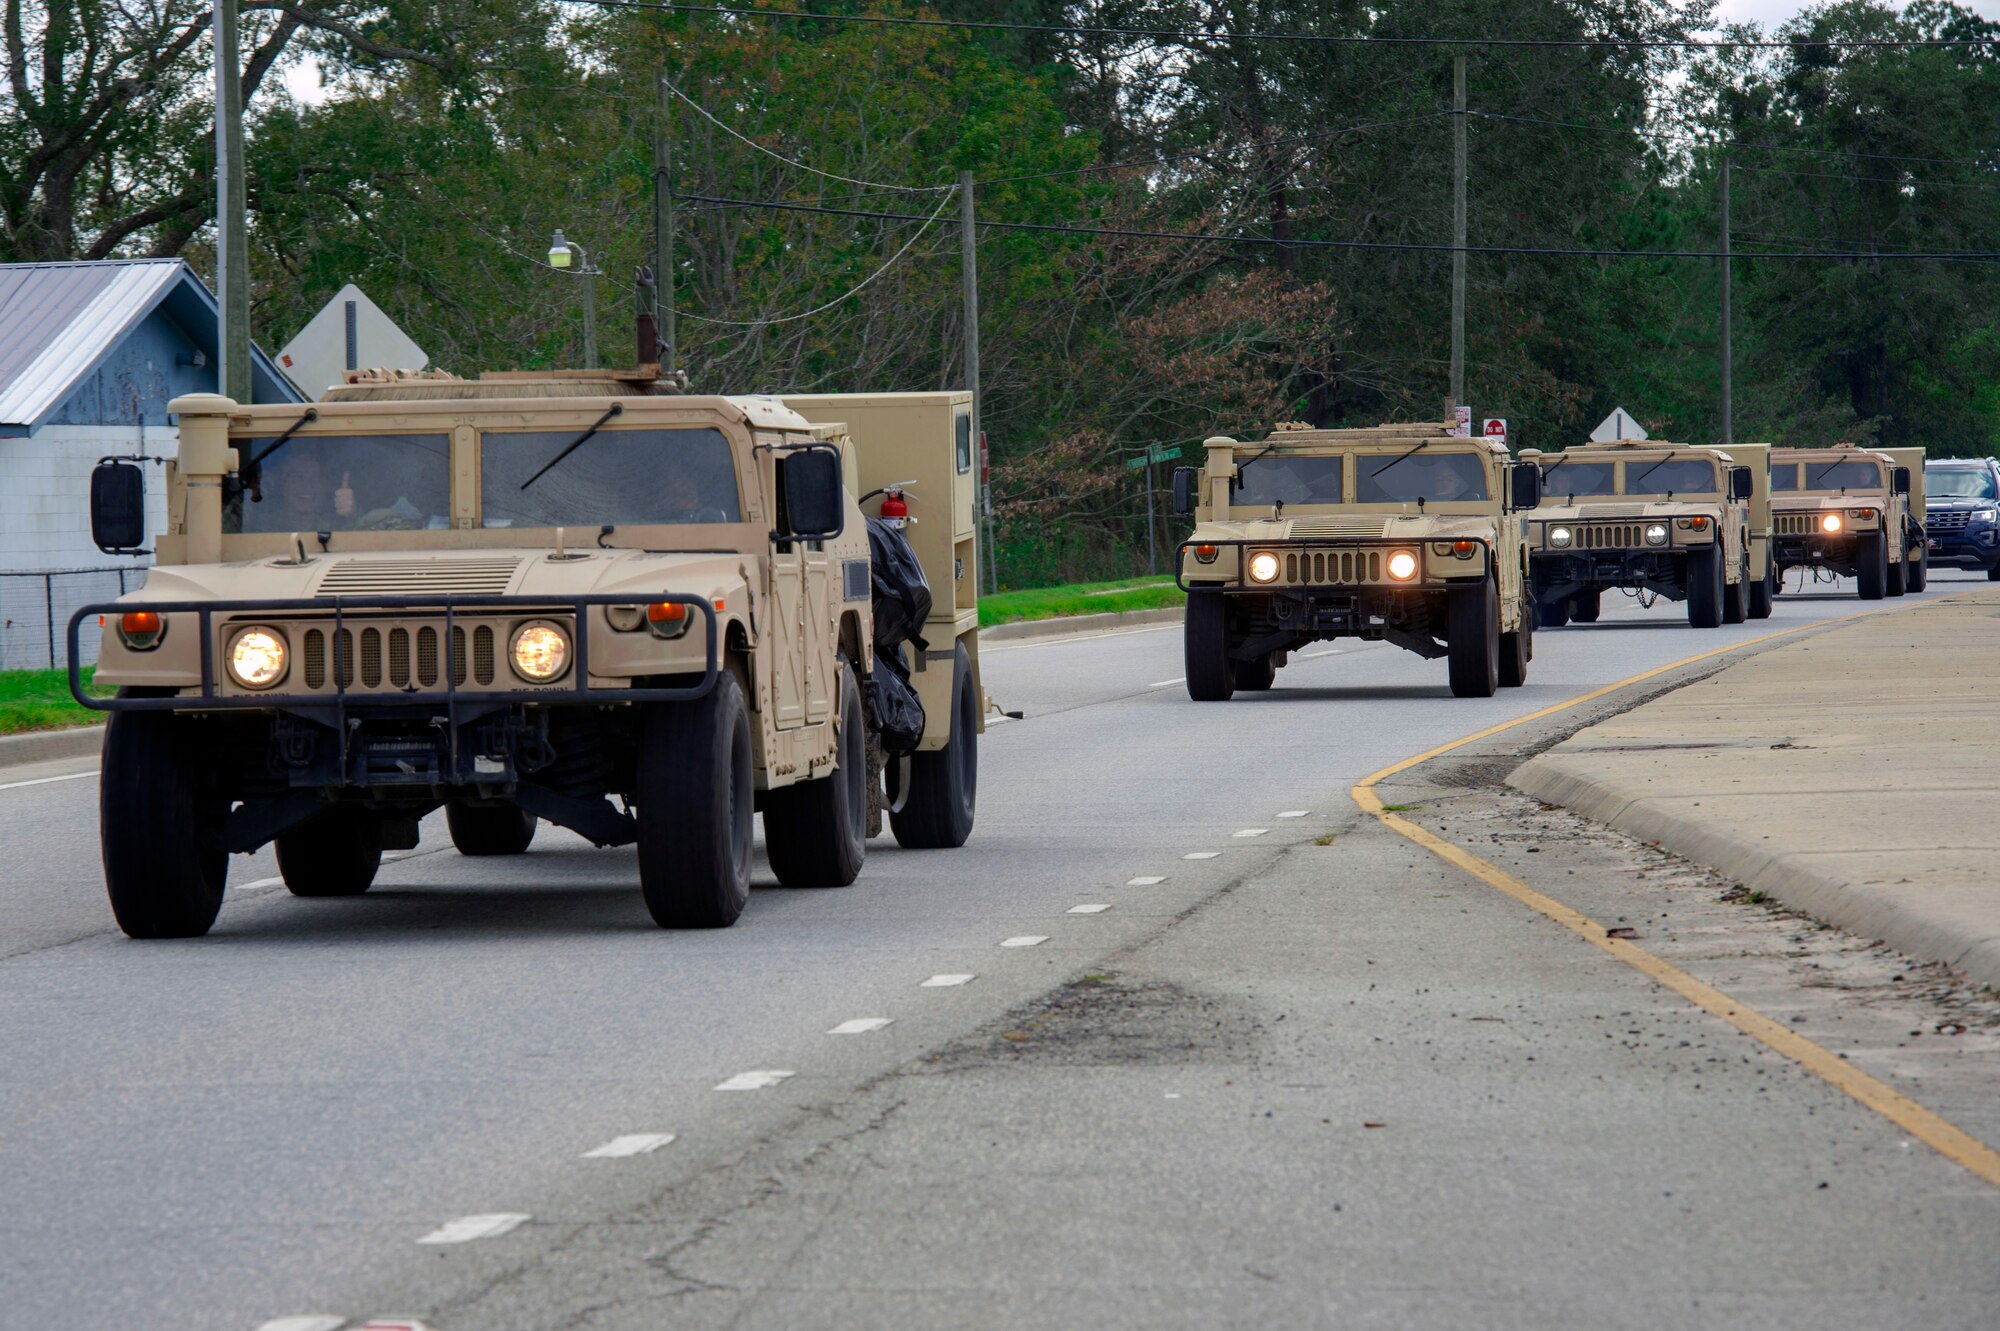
(35, 608)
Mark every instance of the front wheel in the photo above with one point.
(695, 796)
(1917, 570)
(1871, 560)
(489, 829)
(816, 832)
(334, 855)
(1473, 640)
(1205, 647)
(1736, 598)
(1763, 593)
(157, 805)
(1516, 650)
(1584, 607)
(1254, 676)
(944, 783)
(1554, 613)
(1704, 587)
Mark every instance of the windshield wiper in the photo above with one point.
(312, 414)
(1236, 481)
(1813, 484)
(1422, 444)
(617, 409)
(1632, 487)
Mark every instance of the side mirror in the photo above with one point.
(1185, 481)
(1525, 485)
(1741, 483)
(813, 495)
(118, 507)
(1900, 480)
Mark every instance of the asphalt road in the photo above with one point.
(269, 1122)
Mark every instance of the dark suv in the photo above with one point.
(1962, 514)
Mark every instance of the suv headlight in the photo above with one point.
(540, 652)
(1263, 567)
(1985, 515)
(256, 657)
(1560, 537)
(1656, 534)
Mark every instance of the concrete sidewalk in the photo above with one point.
(1853, 775)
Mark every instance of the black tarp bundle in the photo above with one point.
(902, 600)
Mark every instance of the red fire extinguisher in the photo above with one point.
(895, 509)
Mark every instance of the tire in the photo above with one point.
(1205, 647)
(944, 783)
(1473, 640)
(1736, 599)
(695, 792)
(816, 832)
(1917, 571)
(1993, 574)
(1253, 676)
(1871, 559)
(1898, 578)
(334, 855)
(1516, 650)
(1553, 614)
(489, 829)
(1584, 607)
(1763, 593)
(155, 802)
(1704, 587)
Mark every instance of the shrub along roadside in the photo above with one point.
(39, 700)
(1089, 598)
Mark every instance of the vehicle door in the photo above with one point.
(785, 623)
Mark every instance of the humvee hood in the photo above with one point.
(1620, 511)
(455, 573)
(1352, 526)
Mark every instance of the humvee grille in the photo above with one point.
(1794, 524)
(399, 671)
(371, 658)
(415, 577)
(1327, 567)
(1614, 536)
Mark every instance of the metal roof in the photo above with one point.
(58, 322)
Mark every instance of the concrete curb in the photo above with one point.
(1072, 624)
(42, 746)
(1868, 909)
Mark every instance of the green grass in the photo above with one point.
(1088, 598)
(39, 700)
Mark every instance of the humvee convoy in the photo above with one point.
(1402, 533)
(587, 598)
(1688, 523)
(1854, 512)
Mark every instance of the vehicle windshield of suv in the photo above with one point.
(1843, 476)
(1578, 478)
(613, 477)
(1439, 478)
(375, 482)
(1959, 483)
(1679, 476)
(1278, 478)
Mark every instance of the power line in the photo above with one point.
(873, 186)
(1961, 256)
(1693, 134)
(1911, 182)
(1308, 38)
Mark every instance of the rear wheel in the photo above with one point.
(1871, 559)
(157, 803)
(1584, 607)
(944, 783)
(1553, 613)
(1473, 640)
(1917, 570)
(1898, 578)
(695, 799)
(1516, 650)
(1205, 647)
(1762, 593)
(1736, 599)
(334, 855)
(489, 829)
(1704, 587)
(816, 832)
(1254, 676)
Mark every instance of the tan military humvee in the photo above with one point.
(1853, 512)
(1401, 533)
(1685, 522)
(587, 598)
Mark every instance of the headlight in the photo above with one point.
(257, 657)
(1830, 523)
(1560, 537)
(1402, 566)
(1656, 534)
(540, 652)
(1263, 567)
(1986, 515)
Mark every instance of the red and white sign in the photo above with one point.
(1462, 426)
(1496, 428)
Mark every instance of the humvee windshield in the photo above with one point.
(1843, 476)
(1578, 478)
(1784, 477)
(1959, 483)
(1678, 476)
(1437, 477)
(1277, 478)
(615, 477)
(376, 482)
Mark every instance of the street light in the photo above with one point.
(561, 251)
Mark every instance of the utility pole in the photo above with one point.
(1728, 352)
(589, 276)
(232, 244)
(1152, 546)
(1458, 229)
(663, 221)
(968, 268)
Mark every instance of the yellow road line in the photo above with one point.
(1934, 1131)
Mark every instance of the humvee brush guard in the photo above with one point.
(1402, 533)
(1855, 512)
(1691, 524)
(522, 598)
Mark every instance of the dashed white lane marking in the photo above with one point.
(1148, 881)
(304, 1322)
(762, 1079)
(945, 981)
(1295, 813)
(1252, 831)
(1090, 908)
(632, 1143)
(469, 1227)
(394, 1324)
(859, 1026)
(1168, 683)
(46, 780)
(1025, 940)
(1201, 855)
(1314, 656)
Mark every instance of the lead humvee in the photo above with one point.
(1401, 533)
(1685, 522)
(1854, 512)
(521, 598)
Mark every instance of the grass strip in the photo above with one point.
(39, 700)
(1089, 598)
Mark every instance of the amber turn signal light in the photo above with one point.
(141, 630)
(1206, 553)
